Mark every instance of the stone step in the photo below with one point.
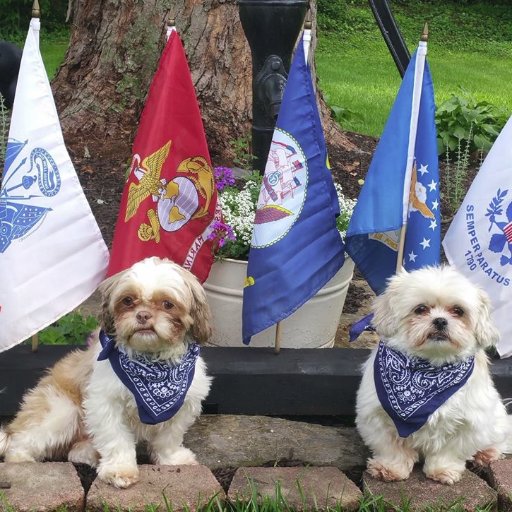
(173, 488)
(419, 492)
(297, 488)
(500, 477)
(44, 487)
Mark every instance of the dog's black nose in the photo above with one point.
(143, 316)
(440, 323)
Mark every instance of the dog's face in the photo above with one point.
(434, 313)
(152, 306)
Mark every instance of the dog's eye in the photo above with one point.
(457, 311)
(127, 301)
(167, 304)
(421, 309)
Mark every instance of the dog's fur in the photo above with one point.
(472, 423)
(81, 409)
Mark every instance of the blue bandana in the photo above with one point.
(411, 389)
(159, 388)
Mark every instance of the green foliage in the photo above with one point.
(15, 16)
(241, 148)
(463, 118)
(71, 329)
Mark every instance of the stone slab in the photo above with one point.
(500, 477)
(233, 440)
(184, 487)
(419, 492)
(40, 487)
(301, 488)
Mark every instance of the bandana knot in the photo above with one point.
(159, 387)
(410, 389)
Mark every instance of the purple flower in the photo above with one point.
(223, 177)
(221, 232)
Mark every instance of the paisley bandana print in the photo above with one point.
(411, 389)
(159, 388)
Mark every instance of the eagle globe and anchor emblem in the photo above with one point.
(177, 200)
(500, 241)
(35, 176)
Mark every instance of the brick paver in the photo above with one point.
(182, 486)
(41, 487)
(302, 488)
(419, 492)
(500, 477)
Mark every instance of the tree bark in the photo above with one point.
(114, 49)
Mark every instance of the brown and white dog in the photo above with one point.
(438, 320)
(155, 310)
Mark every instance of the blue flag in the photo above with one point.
(401, 187)
(296, 248)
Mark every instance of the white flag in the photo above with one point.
(479, 240)
(52, 254)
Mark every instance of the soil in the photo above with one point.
(102, 174)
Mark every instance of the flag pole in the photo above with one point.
(403, 230)
(171, 27)
(36, 13)
(277, 341)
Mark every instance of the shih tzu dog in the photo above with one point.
(426, 390)
(141, 379)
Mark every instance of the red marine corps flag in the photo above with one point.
(169, 201)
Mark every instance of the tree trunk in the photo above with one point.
(114, 48)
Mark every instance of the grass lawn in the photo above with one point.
(356, 71)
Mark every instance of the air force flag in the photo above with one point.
(401, 187)
(52, 254)
(479, 239)
(296, 248)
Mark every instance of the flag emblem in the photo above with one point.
(39, 176)
(176, 200)
(283, 192)
(501, 239)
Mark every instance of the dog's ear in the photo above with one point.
(385, 319)
(200, 310)
(486, 333)
(106, 317)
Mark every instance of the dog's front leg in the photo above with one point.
(445, 467)
(108, 427)
(166, 445)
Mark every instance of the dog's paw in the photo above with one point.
(18, 456)
(386, 471)
(120, 476)
(485, 457)
(181, 456)
(83, 452)
(445, 475)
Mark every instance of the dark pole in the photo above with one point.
(391, 34)
(272, 28)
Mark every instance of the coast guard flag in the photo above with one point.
(401, 187)
(169, 201)
(296, 248)
(479, 239)
(52, 254)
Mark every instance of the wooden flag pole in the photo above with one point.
(401, 244)
(36, 13)
(277, 342)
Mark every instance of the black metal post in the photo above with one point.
(272, 28)
(391, 34)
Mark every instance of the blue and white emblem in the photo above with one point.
(283, 193)
(501, 239)
(35, 175)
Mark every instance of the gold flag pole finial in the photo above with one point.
(424, 34)
(36, 10)
(171, 22)
(307, 23)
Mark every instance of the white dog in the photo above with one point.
(154, 314)
(426, 389)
